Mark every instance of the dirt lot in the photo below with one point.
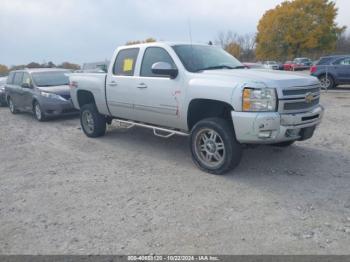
(130, 192)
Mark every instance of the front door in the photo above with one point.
(120, 84)
(157, 99)
(26, 93)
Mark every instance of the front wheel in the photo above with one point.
(214, 146)
(38, 112)
(92, 122)
(12, 106)
(327, 82)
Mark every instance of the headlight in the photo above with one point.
(51, 95)
(260, 99)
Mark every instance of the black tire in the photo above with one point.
(12, 106)
(284, 144)
(38, 112)
(327, 81)
(92, 122)
(202, 150)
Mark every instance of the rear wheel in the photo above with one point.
(214, 146)
(12, 106)
(38, 112)
(92, 122)
(327, 82)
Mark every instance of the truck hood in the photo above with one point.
(58, 90)
(276, 79)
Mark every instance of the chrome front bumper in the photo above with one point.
(273, 127)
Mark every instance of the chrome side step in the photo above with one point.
(157, 131)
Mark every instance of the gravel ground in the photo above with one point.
(130, 192)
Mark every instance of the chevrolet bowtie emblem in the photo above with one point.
(309, 97)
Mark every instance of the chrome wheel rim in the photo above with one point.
(37, 111)
(325, 82)
(88, 122)
(11, 106)
(210, 148)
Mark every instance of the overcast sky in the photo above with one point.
(89, 30)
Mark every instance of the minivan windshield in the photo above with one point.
(197, 58)
(53, 78)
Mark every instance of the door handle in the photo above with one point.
(113, 83)
(142, 85)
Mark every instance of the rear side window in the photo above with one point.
(153, 55)
(125, 62)
(10, 78)
(18, 78)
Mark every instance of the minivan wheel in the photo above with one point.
(38, 112)
(12, 106)
(92, 122)
(327, 82)
(214, 146)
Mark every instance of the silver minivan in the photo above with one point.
(43, 91)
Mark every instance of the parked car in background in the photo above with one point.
(288, 66)
(199, 91)
(253, 65)
(301, 63)
(271, 65)
(2, 91)
(45, 92)
(332, 70)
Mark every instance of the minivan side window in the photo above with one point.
(10, 78)
(345, 61)
(18, 78)
(125, 62)
(26, 79)
(153, 55)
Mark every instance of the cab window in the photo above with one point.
(125, 62)
(153, 55)
(18, 78)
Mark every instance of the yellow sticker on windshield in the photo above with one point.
(128, 63)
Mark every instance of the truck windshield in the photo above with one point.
(55, 78)
(197, 58)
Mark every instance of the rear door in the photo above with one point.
(120, 84)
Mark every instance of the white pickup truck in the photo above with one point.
(200, 91)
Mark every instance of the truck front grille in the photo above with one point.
(301, 105)
(299, 99)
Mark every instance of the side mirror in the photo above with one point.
(163, 68)
(26, 85)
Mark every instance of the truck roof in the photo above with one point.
(166, 43)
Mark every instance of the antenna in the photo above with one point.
(190, 30)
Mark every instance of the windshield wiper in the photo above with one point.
(220, 67)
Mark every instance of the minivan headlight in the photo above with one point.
(259, 99)
(51, 95)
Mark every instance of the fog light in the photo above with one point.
(265, 134)
(292, 132)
